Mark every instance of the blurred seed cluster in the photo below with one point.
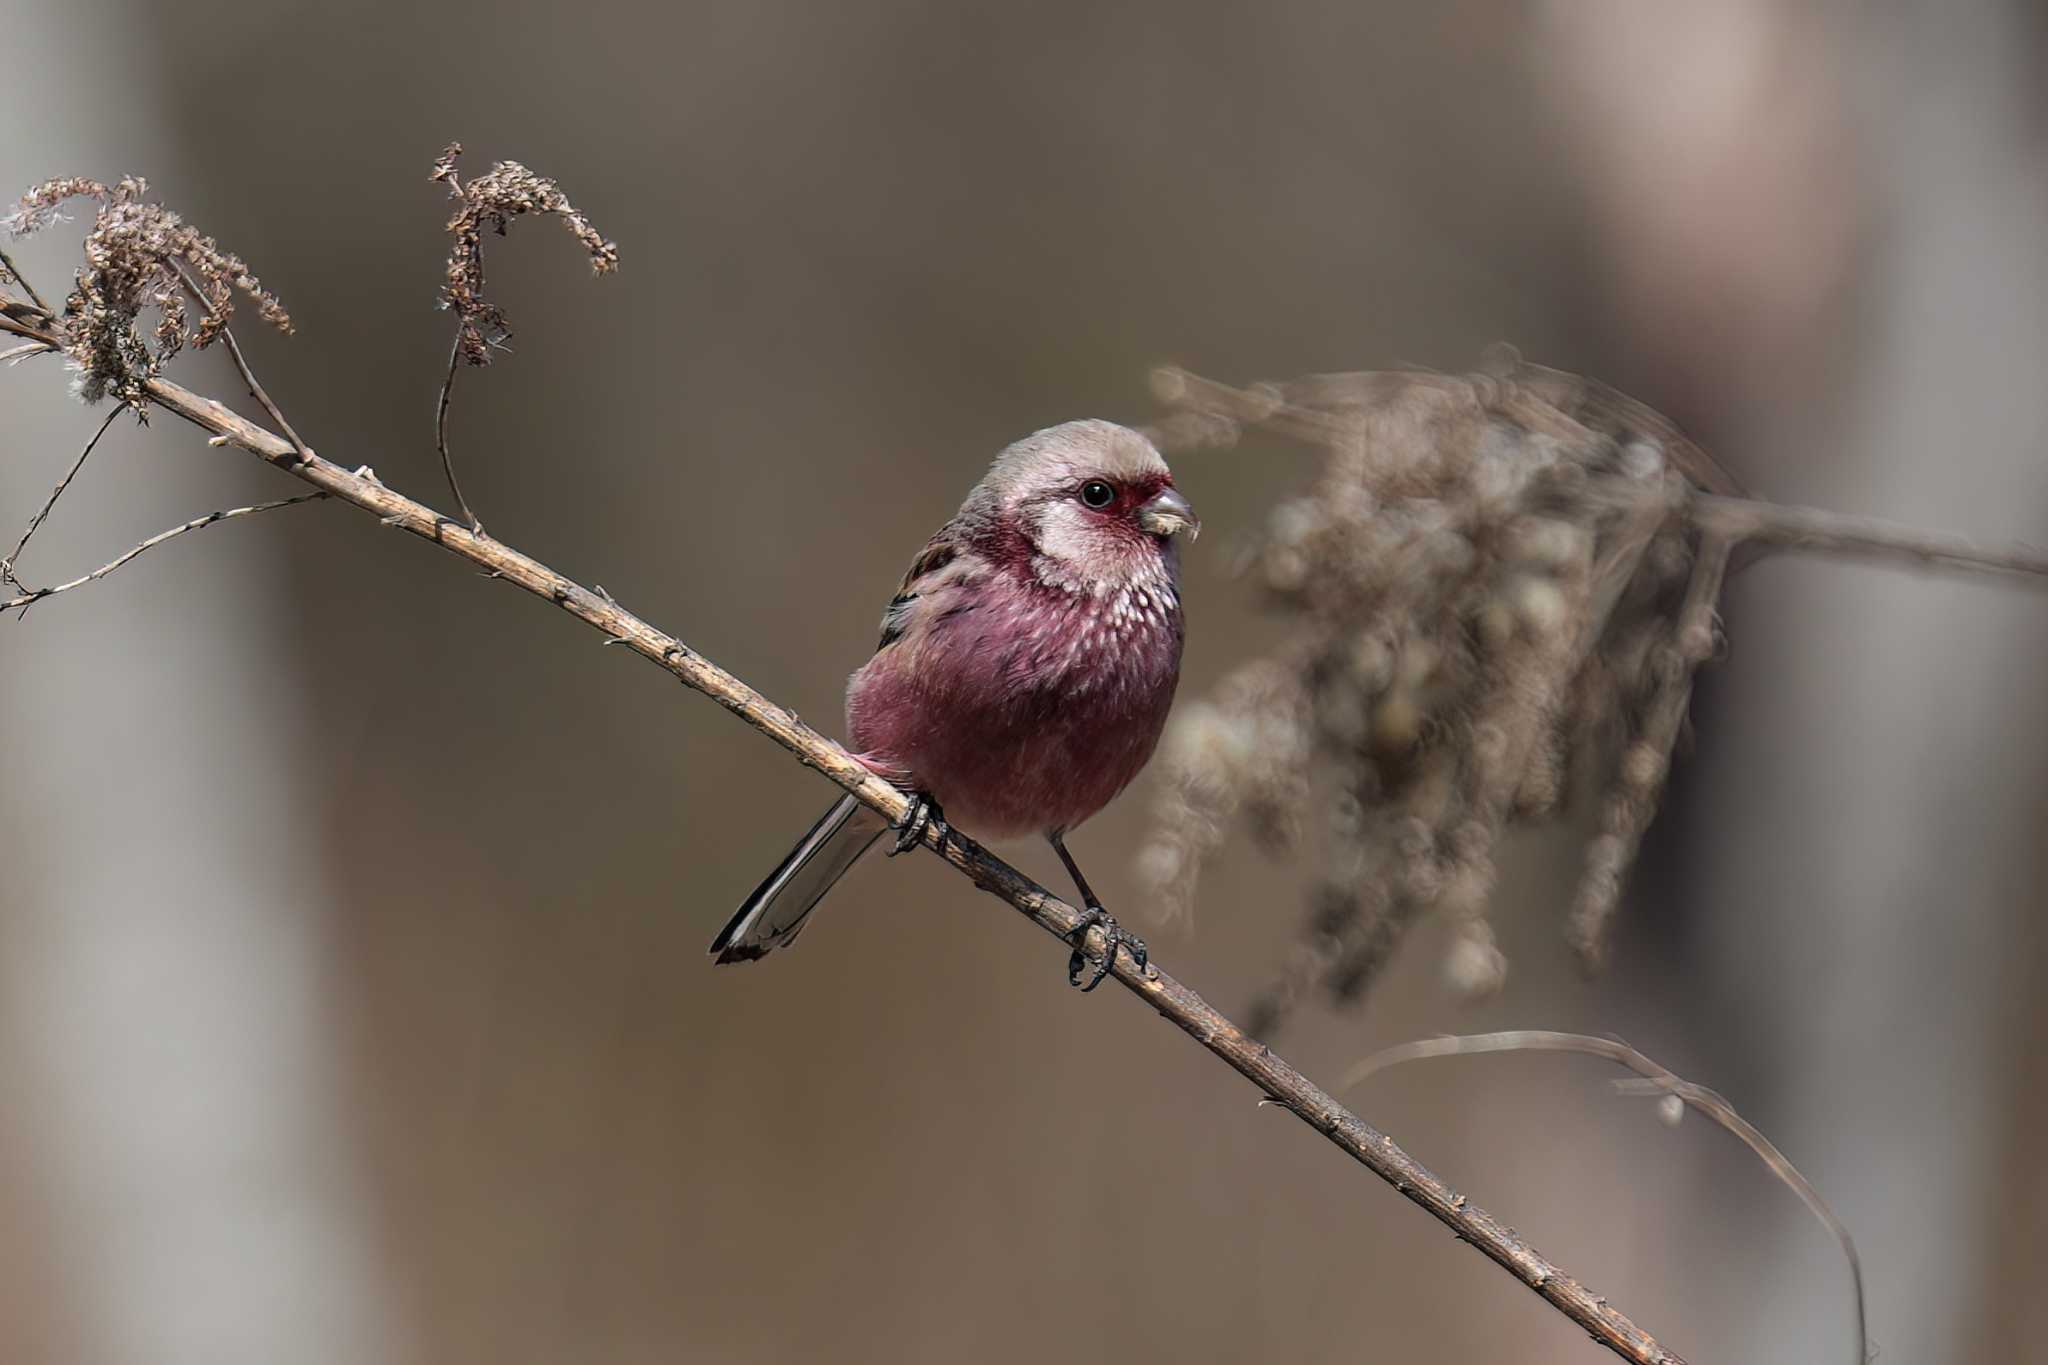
(1496, 592)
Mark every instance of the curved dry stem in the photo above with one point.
(30, 596)
(441, 435)
(1657, 1080)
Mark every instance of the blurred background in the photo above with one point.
(353, 1004)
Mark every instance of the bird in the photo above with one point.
(1023, 676)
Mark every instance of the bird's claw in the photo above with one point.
(923, 813)
(1114, 936)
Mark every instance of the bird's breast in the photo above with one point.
(1023, 708)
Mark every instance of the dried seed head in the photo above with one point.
(138, 255)
(491, 201)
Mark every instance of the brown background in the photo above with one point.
(352, 1000)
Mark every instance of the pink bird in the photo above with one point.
(1024, 673)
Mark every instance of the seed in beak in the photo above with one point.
(1168, 514)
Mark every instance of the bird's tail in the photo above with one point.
(773, 915)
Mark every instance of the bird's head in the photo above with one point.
(1093, 502)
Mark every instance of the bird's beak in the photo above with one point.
(1168, 514)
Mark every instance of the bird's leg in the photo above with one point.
(1114, 935)
(923, 812)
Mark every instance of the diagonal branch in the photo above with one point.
(1176, 1002)
(1278, 1081)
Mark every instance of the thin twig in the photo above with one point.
(14, 325)
(1811, 528)
(441, 434)
(25, 350)
(1178, 1004)
(256, 389)
(1660, 1081)
(33, 595)
(7, 574)
(14, 272)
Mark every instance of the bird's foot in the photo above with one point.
(1114, 936)
(923, 813)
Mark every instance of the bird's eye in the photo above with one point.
(1097, 494)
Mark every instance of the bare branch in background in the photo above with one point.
(1500, 587)
(1750, 521)
(1656, 1080)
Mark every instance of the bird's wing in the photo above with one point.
(944, 562)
